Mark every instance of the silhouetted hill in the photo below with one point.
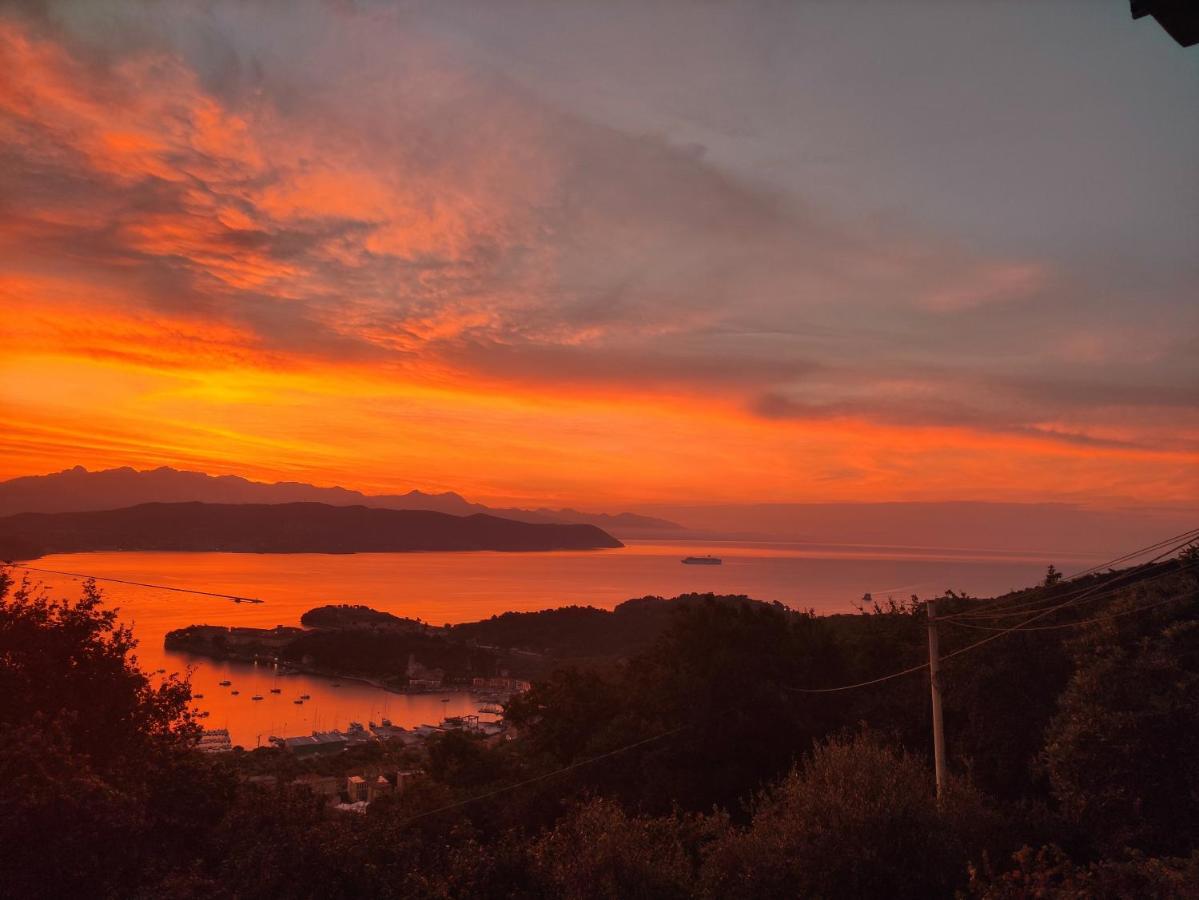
(349, 640)
(78, 490)
(288, 528)
(345, 615)
(584, 631)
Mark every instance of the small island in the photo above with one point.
(344, 615)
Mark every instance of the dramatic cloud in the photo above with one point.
(419, 246)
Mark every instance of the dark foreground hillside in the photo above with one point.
(287, 528)
(709, 764)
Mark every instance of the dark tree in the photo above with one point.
(1121, 751)
(100, 787)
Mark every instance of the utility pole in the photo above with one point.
(934, 680)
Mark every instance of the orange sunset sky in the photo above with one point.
(606, 256)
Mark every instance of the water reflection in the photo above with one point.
(457, 587)
(251, 722)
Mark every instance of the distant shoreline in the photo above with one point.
(283, 528)
(16, 561)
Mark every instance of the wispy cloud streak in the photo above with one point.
(242, 223)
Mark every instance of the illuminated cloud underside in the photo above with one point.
(382, 259)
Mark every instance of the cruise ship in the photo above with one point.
(702, 560)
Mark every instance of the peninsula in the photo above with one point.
(400, 653)
(286, 528)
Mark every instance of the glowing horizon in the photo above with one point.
(390, 250)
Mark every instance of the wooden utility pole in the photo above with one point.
(934, 680)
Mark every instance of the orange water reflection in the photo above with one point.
(457, 587)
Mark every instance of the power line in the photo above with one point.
(1179, 540)
(161, 587)
(1185, 536)
(960, 623)
(1078, 593)
(850, 687)
(585, 762)
(1022, 626)
(1093, 621)
(544, 776)
(992, 610)
(1000, 633)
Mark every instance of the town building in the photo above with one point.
(326, 786)
(500, 685)
(215, 740)
(315, 744)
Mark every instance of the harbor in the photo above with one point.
(333, 741)
(308, 706)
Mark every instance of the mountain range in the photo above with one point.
(79, 490)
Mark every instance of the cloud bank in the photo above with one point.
(363, 244)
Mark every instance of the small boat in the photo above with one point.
(235, 693)
(298, 702)
(702, 561)
(225, 683)
(197, 696)
(276, 690)
(256, 697)
(160, 672)
(305, 697)
(202, 715)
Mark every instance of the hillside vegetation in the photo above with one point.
(701, 766)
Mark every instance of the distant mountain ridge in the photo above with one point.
(287, 528)
(79, 490)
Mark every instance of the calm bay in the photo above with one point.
(459, 587)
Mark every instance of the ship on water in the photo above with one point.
(702, 560)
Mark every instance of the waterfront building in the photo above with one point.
(215, 740)
(317, 743)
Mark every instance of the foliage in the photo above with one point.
(383, 653)
(563, 715)
(460, 759)
(1121, 751)
(576, 632)
(700, 768)
(100, 782)
(1048, 872)
(71, 663)
(724, 671)
(346, 615)
(857, 819)
(599, 851)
